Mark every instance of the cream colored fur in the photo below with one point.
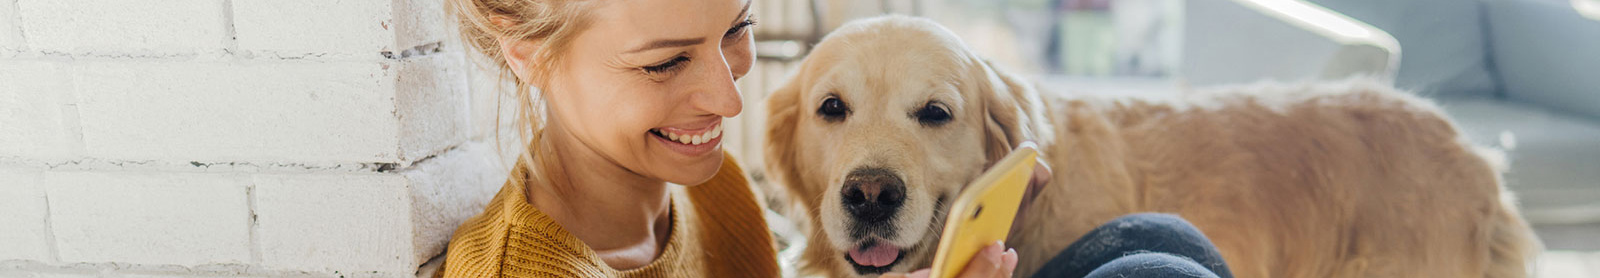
(1340, 179)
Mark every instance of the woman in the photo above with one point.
(631, 97)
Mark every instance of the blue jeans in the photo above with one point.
(1139, 245)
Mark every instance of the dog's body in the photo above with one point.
(1349, 179)
(1329, 180)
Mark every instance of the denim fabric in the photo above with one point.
(1139, 245)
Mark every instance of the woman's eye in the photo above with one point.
(667, 66)
(932, 115)
(833, 109)
(738, 30)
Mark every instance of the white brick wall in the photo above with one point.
(22, 212)
(490, 95)
(354, 28)
(231, 111)
(432, 93)
(34, 101)
(314, 27)
(10, 29)
(124, 27)
(351, 222)
(237, 138)
(149, 218)
(450, 188)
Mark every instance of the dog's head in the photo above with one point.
(884, 123)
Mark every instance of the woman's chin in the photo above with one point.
(693, 173)
(687, 163)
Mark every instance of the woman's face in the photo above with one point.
(646, 71)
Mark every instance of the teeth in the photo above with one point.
(694, 139)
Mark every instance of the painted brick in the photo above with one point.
(491, 97)
(343, 28)
(323, 222)
(53, 274)
(34, 110)
(22, 213)
(420, 22)
(149, 218)
(258, 111)
(448, 189)
(300, 27)
(191, 275)
(10, 29)
(124, 27)
(432, 101)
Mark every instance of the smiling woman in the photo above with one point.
(631, 96)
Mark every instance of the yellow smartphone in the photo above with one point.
(982, 213)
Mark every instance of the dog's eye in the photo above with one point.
(932, 114)
(833, 109)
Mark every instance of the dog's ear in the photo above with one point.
(1013, 110)
(783, 115)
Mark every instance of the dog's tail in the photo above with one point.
(1512, 244)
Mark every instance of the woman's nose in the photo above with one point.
(719, 95)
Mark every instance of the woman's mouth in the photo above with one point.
(690, 139)
(692, 142)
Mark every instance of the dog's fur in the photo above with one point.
(1344, 179)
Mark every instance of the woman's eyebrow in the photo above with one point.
(664, 43)
(742, 12)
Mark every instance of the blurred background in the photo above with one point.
(315, 138)
(1519, 75)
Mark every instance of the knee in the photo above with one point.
(1151, 225)
(1151, 265)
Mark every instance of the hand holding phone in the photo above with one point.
(982, 214)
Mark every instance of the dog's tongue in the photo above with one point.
(877, 255)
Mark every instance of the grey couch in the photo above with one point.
(1523, 75)
(1519, 75)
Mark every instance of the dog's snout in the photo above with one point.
(873, 194)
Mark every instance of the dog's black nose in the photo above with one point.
(873, 194)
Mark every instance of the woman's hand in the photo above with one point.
(992, 262)
(996, 260)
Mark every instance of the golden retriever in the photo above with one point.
(890, 117)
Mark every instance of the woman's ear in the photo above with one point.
(519, 54)
(783, 115)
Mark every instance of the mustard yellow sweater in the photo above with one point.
(717, 231)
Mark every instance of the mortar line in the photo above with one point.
(230, 39)
(21, 32)
(250, 204)
(50, 228)
(71, 114)
(192, 166)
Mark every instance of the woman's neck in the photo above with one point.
(620, 214)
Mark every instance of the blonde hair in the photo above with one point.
(550, 25)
